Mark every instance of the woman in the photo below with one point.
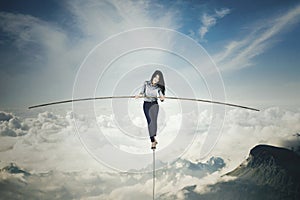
(149, 91)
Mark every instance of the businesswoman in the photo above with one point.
(150, 90)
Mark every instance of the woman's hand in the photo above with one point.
(162, 98)
(138, 96)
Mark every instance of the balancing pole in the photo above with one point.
(119, 97)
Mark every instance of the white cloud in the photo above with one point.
(239, 53)
(245, 129)
(209, 21)
(51, 147)
(51, 52)
(48, 142)
(52, 140)
(102, 19)
(45, 59)
(51, 133)
(11, 125)
(27, 31)
(222, 12)
(89, 184)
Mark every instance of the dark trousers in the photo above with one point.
(151, 111)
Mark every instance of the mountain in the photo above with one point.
(272, 166)
(269, 173)
(12, 168)
(185, 167)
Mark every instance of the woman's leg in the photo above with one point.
(151, 112)
(146, 108)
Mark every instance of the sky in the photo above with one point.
(241, 52)
(254, 44)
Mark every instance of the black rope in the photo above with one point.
(115, 97)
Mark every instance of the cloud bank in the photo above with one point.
(50, 152)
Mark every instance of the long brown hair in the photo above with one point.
(161, 82)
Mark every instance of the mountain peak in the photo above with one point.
(284, 158)
(280, 153)
(273, 166)
(12, 168)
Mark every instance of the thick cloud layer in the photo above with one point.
(51, 152)
(89, 184)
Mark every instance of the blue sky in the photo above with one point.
(255, 44)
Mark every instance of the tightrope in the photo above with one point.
(153, 174)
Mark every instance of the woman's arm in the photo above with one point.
(161, 96)
(142, 91)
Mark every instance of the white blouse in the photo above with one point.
(150, 90)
